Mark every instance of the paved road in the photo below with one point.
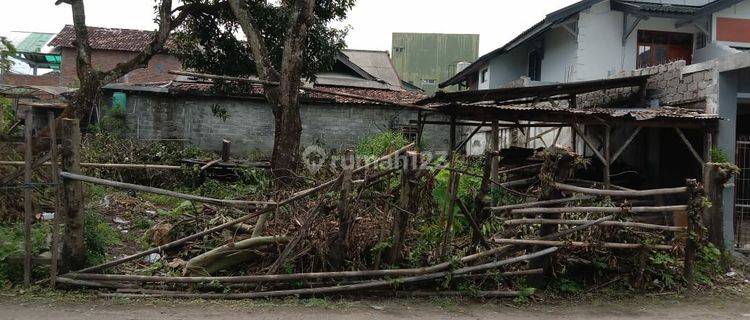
(713, 308)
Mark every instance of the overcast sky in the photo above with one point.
(372, 21)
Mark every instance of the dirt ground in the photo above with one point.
(726, 304)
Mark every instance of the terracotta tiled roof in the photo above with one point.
(106, 39)
(182, 88)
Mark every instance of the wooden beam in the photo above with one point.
(537, 204)
(689, 146)
(626, 144)
(607, 157)
(588, 142)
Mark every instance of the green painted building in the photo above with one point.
(427, 59)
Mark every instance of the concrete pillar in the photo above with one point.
(726, 141)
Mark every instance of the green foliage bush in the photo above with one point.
(11, 245)
(7, 115)
(99, 236)
(381, 143)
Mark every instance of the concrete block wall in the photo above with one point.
(673, 84)
(250, 125)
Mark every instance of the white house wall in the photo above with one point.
(508, 67)
(600, 50)
(560, 53)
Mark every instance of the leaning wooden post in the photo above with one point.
(28, 217)
(408, 203)
(695, 208)
(74, 247)
(483, 199)
(55, 173)
(715, 175)
(226, 146)
(346, 219)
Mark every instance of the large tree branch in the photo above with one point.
(257, 45)
(294, 45)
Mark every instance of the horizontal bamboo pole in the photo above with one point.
(605, 223)
(268, 278)
(537, 204)
(620, 193)
(184, 196)
(678, 208)
(608, 245)
(354, 287)
(105, 165)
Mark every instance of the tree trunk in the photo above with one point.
(74, 246)
(286, 140)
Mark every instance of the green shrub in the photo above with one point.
(99, 236)
(11, 245)
(719, 156)
(381, 143)
(7, 115)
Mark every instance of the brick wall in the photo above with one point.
(250, 125)
(105, 60)
(49, 79)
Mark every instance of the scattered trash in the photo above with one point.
(152, 258)
(119, 220)
(731, 274)
(379, 308)
(47, 216)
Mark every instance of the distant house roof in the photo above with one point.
(638, 7)
(106, 39)
(376, 63)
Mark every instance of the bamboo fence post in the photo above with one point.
(407, 203)
(483, 200)
(346, 220)
(55, 247)
(495, 148)
(450, 209)
(695, 234)
(28, 216)
(74, 249)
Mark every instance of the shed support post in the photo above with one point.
(607, 157)
(495, 149)
(74, 247)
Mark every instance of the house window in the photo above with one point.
(410, 132)
(535, 65)
(657, 47)
(483, 76)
